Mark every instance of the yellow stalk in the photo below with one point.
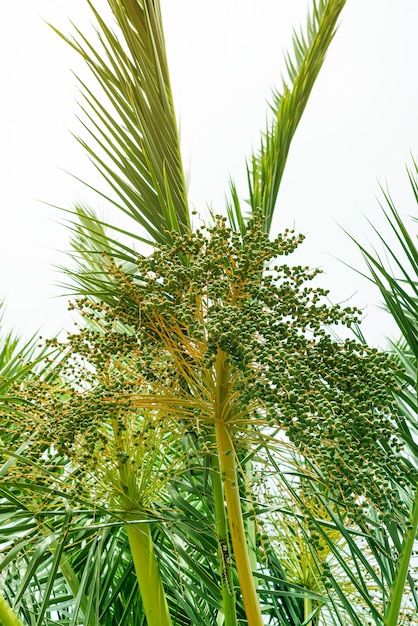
(236, 525)
(231, 489)
(307, 609)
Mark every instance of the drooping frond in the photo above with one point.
(130, 127)
(266, 166)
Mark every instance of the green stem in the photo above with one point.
(141, 544)
(7, 616)
(236, 525)
(229, 475)
(148, 574)
(397, 591)
(307, 610)
(227, 581)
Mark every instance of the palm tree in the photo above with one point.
(139, 129)
(96, 494)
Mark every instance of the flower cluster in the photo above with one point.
(155, 344)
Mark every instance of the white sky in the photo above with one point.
(360, 127)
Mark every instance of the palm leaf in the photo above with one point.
(131, 130)
(396, 276)
(17, 358)
(91, 247)
(266, 167)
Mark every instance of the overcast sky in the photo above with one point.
(359, 129)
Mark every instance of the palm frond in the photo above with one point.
(16, 356)
(396, 276)
(350, 563)
(130, 130)
(92, 248)
(265, 168)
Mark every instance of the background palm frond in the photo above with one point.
(129, 122)
(395, 273)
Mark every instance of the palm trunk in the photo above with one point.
(307, 610)
(228, 592)
(148, 574)
(236, 526)
(227, 458)
(142, 548)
